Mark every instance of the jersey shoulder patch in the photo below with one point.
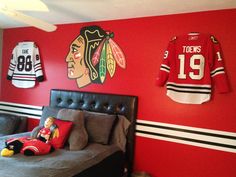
(214, 40)
(173, 38)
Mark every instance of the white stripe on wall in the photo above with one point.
(21, 109)
(207, 138)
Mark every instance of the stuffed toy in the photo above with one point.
(48, 131)
(32, 146)
(13, 146)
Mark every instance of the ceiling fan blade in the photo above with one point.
(25, 5)
(30, 20)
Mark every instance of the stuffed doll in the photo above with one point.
(32, 146)
(46, 132)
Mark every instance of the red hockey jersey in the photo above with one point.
(191, 62)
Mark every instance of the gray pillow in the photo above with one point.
(99, 126)
(120, 132)
(78, 137)
(48, 112)
(8, 123)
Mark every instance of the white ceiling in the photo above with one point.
(77, 11)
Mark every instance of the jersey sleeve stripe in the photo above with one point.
(217, 71)
(38, 67)
(38, 70)
(12, 64)
(38, 64)
(165, 68)
(11, 69)
(220, 72)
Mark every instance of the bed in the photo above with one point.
(108, 160)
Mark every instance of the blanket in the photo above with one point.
(61, 162)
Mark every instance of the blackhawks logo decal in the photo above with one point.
(93, 56)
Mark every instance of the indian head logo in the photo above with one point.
(93, 56)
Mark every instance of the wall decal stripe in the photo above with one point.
(207, 138)
(21, 109)
(187, 131)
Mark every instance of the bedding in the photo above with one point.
(60, 163)
(108, 157)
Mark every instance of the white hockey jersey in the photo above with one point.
(191, 62)
(25, 66)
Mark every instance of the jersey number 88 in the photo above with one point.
(24, 63)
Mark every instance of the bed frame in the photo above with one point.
(104, 103)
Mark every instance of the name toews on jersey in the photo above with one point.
(191, 62)
(25, 66)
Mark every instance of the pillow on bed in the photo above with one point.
(48, 112)
(78, 137)
(99, 126)
(120, 132)
(64, 129)
(62, 134)
(8, 123)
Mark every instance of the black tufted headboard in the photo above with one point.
(104, 103)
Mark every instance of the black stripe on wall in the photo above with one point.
(18, 112)
(188, 139)
(26, 109)
(18, 106)
(187, 131)
(206, 138)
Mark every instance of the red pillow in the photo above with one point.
(61, 133)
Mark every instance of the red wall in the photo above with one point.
(143, 41)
